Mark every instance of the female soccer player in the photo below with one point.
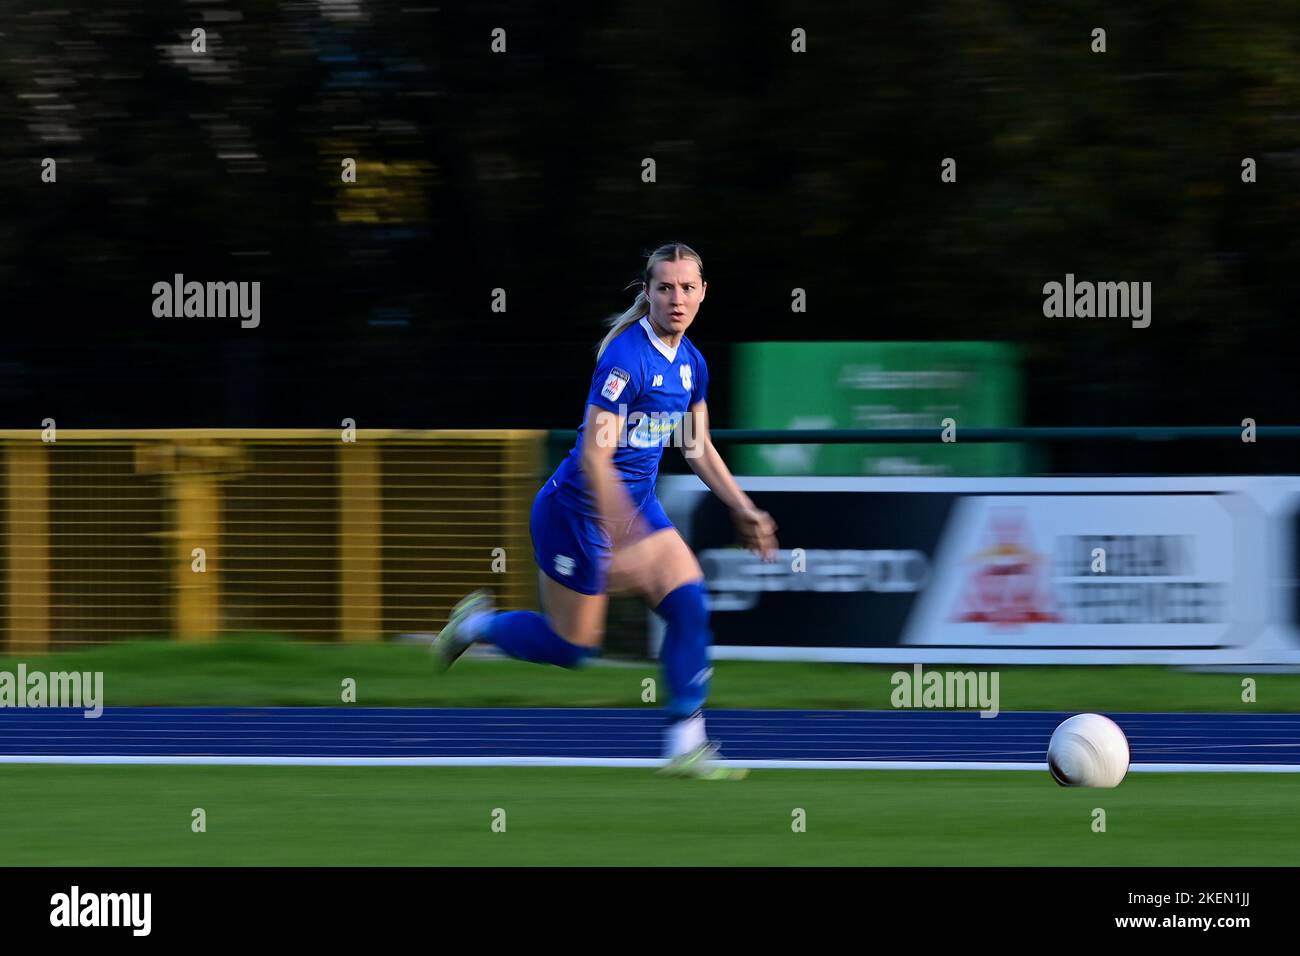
(597, 526)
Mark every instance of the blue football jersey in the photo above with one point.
(651, 385)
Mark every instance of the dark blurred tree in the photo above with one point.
(521, 171)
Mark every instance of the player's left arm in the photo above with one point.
(756, 527)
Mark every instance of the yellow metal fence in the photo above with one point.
(196, 533)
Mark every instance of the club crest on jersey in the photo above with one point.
(686, 377)
(615, 384)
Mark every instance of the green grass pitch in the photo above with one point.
(432, 816)
(270, 672)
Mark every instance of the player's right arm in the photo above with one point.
(599, 442)
(615, 384)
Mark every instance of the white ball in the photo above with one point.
(1088, 750)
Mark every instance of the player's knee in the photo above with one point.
(683, 574)
(584, 635)
(686, 607)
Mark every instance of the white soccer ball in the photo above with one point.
(1088, 750)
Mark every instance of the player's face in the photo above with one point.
(675, 295)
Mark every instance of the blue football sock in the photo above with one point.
(685, 651)
(527, 636)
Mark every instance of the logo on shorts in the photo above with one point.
(615, 384)
(565, 565)
(686, 377)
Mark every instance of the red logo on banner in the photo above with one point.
(1009, 585)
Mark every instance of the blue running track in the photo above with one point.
(896, 739)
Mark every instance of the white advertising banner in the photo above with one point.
(1002, 570)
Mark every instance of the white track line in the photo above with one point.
(235, 761)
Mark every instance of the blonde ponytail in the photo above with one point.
(617, 323)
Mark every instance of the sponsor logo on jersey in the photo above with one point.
(658, 380)
(615, 384)
(651, 429)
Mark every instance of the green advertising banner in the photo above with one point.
(877, 385)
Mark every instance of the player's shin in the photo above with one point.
(685, 658)
(526, 636)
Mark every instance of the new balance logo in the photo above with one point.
(658, 380)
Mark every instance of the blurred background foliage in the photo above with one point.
(522, 171)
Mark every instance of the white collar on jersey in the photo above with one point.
(657, 342)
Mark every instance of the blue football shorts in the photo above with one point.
(572, 548)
